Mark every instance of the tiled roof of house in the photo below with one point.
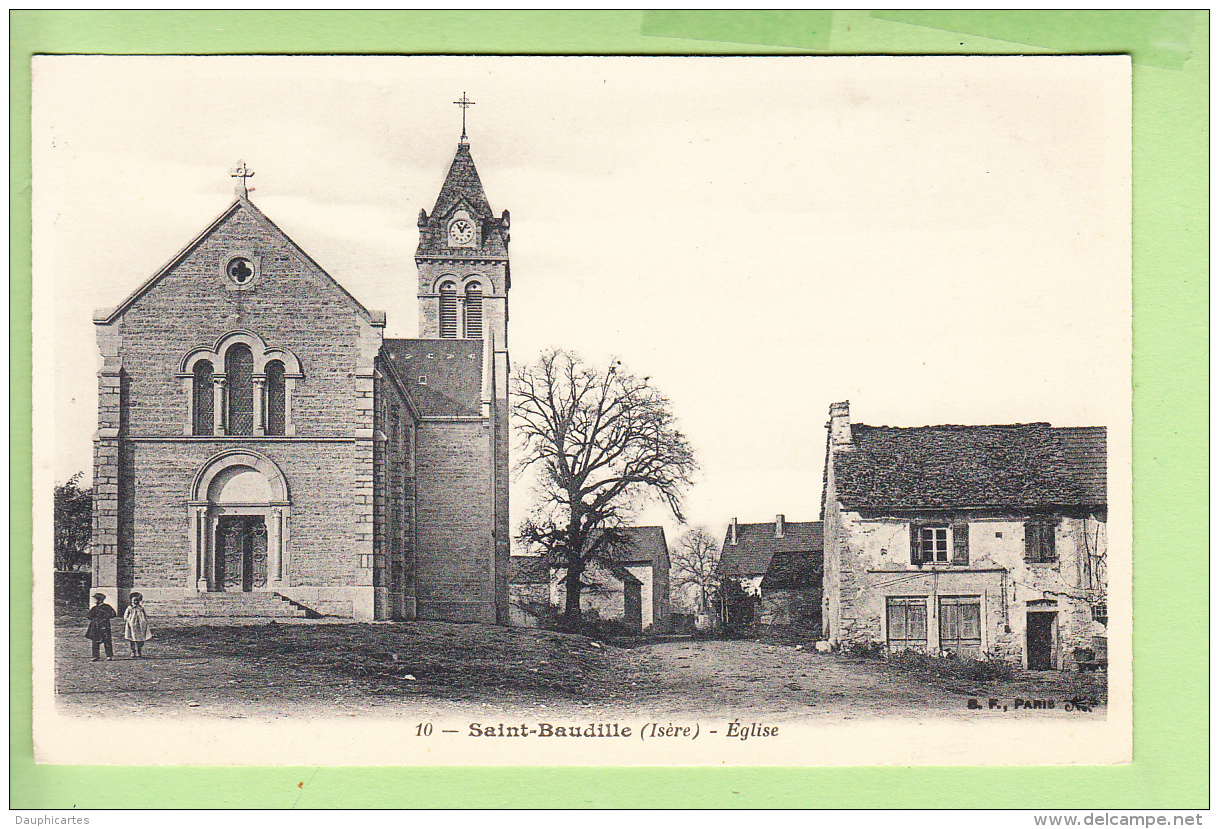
(529, 570)
(1021, 465)
(452, 372)
(1087, 451)
(645, 545)
(756, 545)
(793, 570)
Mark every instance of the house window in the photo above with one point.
(239, 368)
(1039, 541)
(203, 417)
(907, 617)
(474, 311)
(961, 626)
(276, 398)
(448, 311)
(930, 545)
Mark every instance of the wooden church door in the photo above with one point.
(242, 543)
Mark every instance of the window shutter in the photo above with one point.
(474, 312)
(448, 311)
(1030, 540)
(960, 543)
(1048, 553)
(916, 554)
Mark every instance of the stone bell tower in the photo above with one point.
(464, 278)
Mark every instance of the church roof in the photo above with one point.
(462, 182)
(445, 377)
(241, 202)
(463, 188)
(936, 467)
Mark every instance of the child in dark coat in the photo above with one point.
(99, 627)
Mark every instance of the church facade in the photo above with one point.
(261, 441)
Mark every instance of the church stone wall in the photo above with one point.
(289, 308)
(455, 556)
(321, 522)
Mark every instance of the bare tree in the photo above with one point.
(603, 442)
(696, 562)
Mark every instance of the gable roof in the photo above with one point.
(453, 370)
(756, 545)
(241, 202)
(644, 545)
(935, 467)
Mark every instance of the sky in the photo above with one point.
(937, 240)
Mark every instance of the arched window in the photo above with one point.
(239, 368)
(474, 311)
(448, 311)
(275, 398)
(203, 417)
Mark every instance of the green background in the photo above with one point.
(1170, 51)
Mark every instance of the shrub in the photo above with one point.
(952, 667)
(864, 650)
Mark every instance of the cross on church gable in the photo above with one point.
(241, 172)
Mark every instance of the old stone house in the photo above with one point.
(639, 566)
(970, 540)
(263, 448)
(779, 564)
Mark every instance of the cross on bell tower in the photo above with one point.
(465, 103)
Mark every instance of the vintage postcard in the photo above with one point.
(806, 442)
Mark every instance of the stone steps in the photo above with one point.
(220, 605)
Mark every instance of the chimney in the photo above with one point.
(779, 525)
(840, 424)
(732, 533)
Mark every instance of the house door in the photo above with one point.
(1040, 640)
(241, 541)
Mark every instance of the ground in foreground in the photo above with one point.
(302, 670)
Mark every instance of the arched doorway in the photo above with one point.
(239, 514)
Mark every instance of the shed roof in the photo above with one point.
(452, 372)
(789, 571)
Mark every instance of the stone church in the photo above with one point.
(263, 449)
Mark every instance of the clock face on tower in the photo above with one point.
(461, 232)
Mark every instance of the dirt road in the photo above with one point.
(400, 669)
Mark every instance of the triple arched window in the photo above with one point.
(466, 321)
(251, 396)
